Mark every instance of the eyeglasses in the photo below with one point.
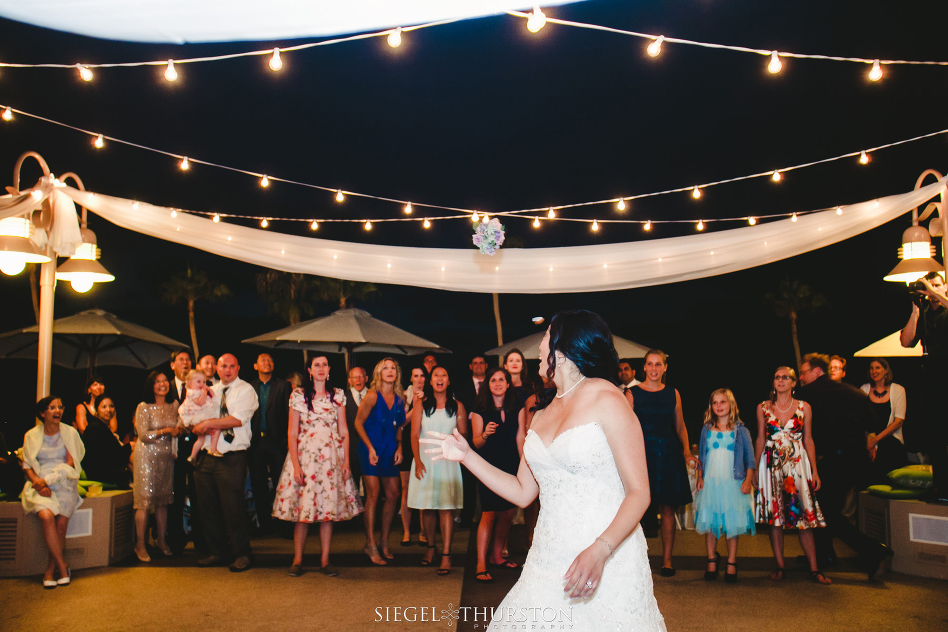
(782, 377)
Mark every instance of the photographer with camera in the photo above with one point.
(929, 323)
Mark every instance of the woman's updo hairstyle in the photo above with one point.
(585, 338)
(43, 405)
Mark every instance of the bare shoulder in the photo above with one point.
(608, 404)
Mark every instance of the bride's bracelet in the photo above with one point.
(611, 548)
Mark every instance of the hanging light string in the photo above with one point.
(7, 114)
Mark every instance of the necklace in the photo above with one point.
(571, 388)
(783, 410)
(878, 394)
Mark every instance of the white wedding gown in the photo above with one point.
(580, 493)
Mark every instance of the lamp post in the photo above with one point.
(917, 251)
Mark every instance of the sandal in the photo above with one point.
(484, 576)
(710, 576)
(505, 564)
(731, 578)
(820, 578)
(777, 575)
(387, 554)
(425, 562)
(443, 570)
(373, 553)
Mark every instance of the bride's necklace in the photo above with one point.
(571, 388)
(783, 410)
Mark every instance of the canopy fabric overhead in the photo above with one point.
(187, 21)
(530, 347)
(889, 347)
(529, 271)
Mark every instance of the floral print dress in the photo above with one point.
(327, 494)
(785, 478)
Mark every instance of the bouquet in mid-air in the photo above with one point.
(489, 236)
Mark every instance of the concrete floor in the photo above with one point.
(171, 594)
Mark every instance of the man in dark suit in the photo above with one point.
(185, 494)
(354, 395)
(268, 428)
(841, 417)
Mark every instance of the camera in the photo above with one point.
(917, 292)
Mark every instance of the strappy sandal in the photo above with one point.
(484, 576)
(731, 578)
(777, 575)
(710, 576)
(425, 562)
(373, 553)
(443, 570)
(820, 578)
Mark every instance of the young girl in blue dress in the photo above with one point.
(725, 482)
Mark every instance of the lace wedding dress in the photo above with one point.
(580, 492)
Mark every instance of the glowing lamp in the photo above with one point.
(275, 62)
(170, 73)
(876, 73)
(917, 254)
(620, 205)
(16, 249)
(81, 269)
(7, 114)
(655, 48)
(775, 64)
(395, 38)
(536, 21)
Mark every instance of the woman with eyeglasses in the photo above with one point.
(786, 473)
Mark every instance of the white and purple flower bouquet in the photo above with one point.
(489, 236)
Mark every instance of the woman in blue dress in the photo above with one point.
(379, 421)
(666, 447)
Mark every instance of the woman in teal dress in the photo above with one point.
(379, 421)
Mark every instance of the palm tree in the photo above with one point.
(289, 296)
(343, 292)
(189, 287)
(792, 299)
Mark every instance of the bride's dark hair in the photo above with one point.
(585, 338)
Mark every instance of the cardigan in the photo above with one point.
(743, 451)
(33, 442)
(897, 405)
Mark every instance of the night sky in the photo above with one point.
(483, 114)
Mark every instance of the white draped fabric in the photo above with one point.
(65, 236)
(181, 21)
(529, 271)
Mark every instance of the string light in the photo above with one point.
(595, 225)
(484, 218)
(216, 219)
(314, 225)
(474, 217)
(696, 193)
(752, 221)
(655, 48)
(85, 73)
(339, 196)
(876, 73)
(99, 142)
(135, 206)
(408, 209)
(620, 205)
(264, 223)
(839, 210)
(551, 214)
(605, 265)
(776, 177)
(368, 225)
(427, 224)
(700, 225)
(275, 62)
(395, 38)
(174, 213)
(185, 164)
(648, 225)
(7, 114)
(863, 158)
(775, 64)
(793, 217)
(536, 222)
(536, 21)
(170, 73)
(264, 182)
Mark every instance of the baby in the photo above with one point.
(199, 405)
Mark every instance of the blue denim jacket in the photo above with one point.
(743, 450)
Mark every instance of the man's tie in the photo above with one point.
(182, 393)
(226, 435)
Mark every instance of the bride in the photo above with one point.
(585, 456)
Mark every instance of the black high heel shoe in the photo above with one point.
(710, 576)
(731, 578)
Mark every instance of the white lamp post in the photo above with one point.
(917, 252)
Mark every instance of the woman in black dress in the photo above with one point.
(666, 447)
(519, 375)
(498, 423)
(106, 459)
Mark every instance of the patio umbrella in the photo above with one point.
(346, 331)
(889, 347)
(530, 346)
(93, 337)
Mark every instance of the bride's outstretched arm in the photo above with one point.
(521, 489)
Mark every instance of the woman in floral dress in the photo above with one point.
(316, 485)
(786, 472)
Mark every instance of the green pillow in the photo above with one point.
(917, 476)
(887, 491)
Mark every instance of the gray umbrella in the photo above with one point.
(530, 346)
(346, 331)
(90, 338)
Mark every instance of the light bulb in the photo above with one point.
(876, 73)
(408, 209)
(484, 218)
(170, 73)
(81, 285)
(605, 265)
(426, 223)
(839, 210)
(775, 64)
(84, 72)
(275, 62)
(696, 193)
(655, 48)
(474, 217)
(11, 263)
(264, 182)
(536, 222)
(536, 21)
(264, 223)
(752, 221)
(99, 142)
(314, 225)
(776, 177)
(551, 214)
(216, 219)
(595, 225)
(863, 158)
(620, 204)
(174, 213)
(793, 217)
(700, 225)
(185, 164)
(648, 225)
(7, 114)
(135, 206)
(339, 196)
(368, 225)
(37, 194)
(395, 38)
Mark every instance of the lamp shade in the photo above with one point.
(16, 249)
(916, 253)
(82, 270)
(910, 270)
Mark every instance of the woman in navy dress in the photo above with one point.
(666, 447)
(379, 420)
(520, 380)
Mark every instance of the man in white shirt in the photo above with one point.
(627, 375)
(357, 392)
(357, 387)
(220, 479)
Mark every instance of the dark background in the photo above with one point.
(483, 114)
